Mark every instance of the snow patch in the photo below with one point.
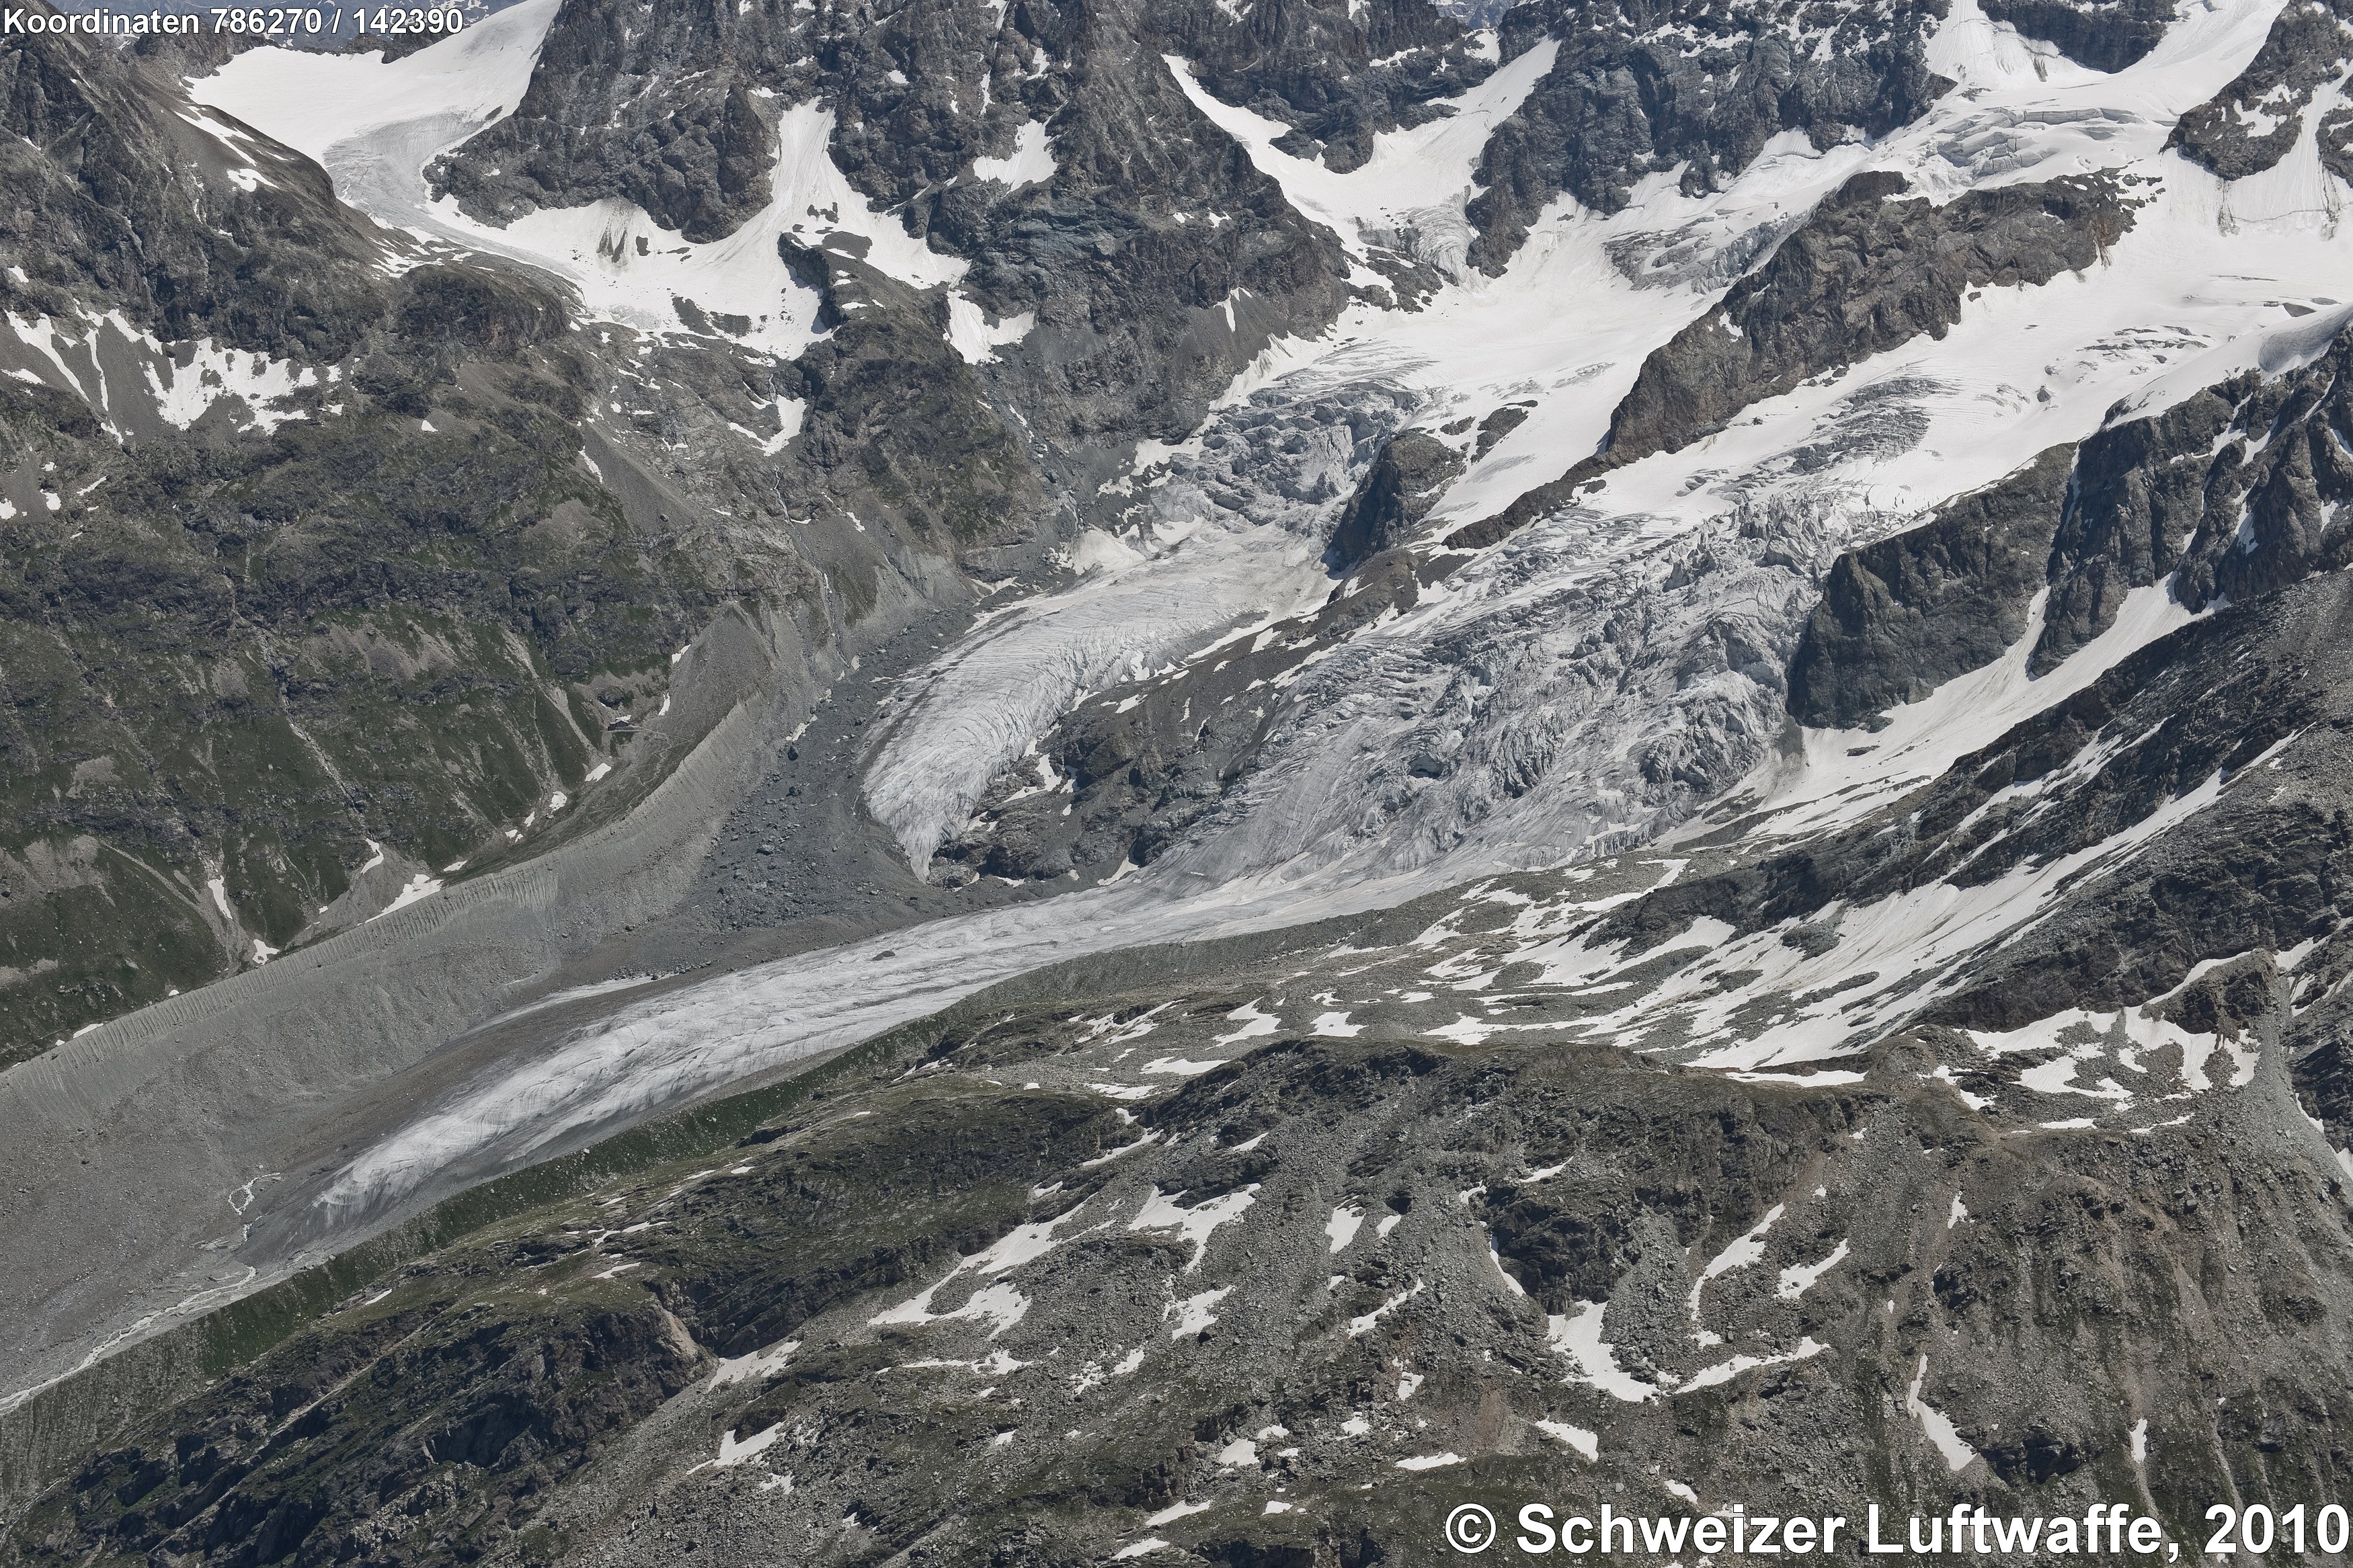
(977, 338)
(1360, 1326)
(1587, 1444)
(1799, 1277)
(1161, 1211)
(1939, 1426)
(1416, 177)
(1745, 1249)
(1578, 1336)
(1193, 1314)
(1254, 1025)
(1000, 1305)
(418, 886)
(1032, 161)
(732, 1453)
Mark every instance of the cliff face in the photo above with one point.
(1696, 92)
(307, 591)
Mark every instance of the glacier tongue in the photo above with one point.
(1227, 531)
(1576, 688)
(967, 719)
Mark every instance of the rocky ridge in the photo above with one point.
(238, 608)
(1695, 90)
(2250, 124)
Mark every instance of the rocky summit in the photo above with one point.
(1209, 782)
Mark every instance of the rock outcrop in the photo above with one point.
(1406, 481)
(1903, 617)
(1870, 269)
(1643, 89)
(2250, 125)
(2229, 494)
(2102, 37)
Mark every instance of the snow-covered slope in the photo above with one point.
(1486, 671)
(376, 123)
(315, 103)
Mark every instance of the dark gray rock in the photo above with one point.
(514, 1399)
(1338, 75)
(115, 200)
(2261, 870)
(2250, 124)
(1156, 260)
(1869, 269)
(1901, 617)
(897, 423)
(1408, 478)
(2234, 492)
(2105, 37)
(2335, 140)
(1136, 766)
(1642, 86)
(2227, 495)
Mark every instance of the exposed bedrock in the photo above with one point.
(2251, 123)
(1408, 478)
(1153, 258)
(1870, 269)
(2105, 37)
(1338, 76)
(114, 200)
(2184, 858)
(2334, 138)
(1640, 87)
(1988, 1070)
(919, 92)
(2234, 492)
(275, 641)
(1901, 617)
(2231, 493)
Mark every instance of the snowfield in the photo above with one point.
(375, 124)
